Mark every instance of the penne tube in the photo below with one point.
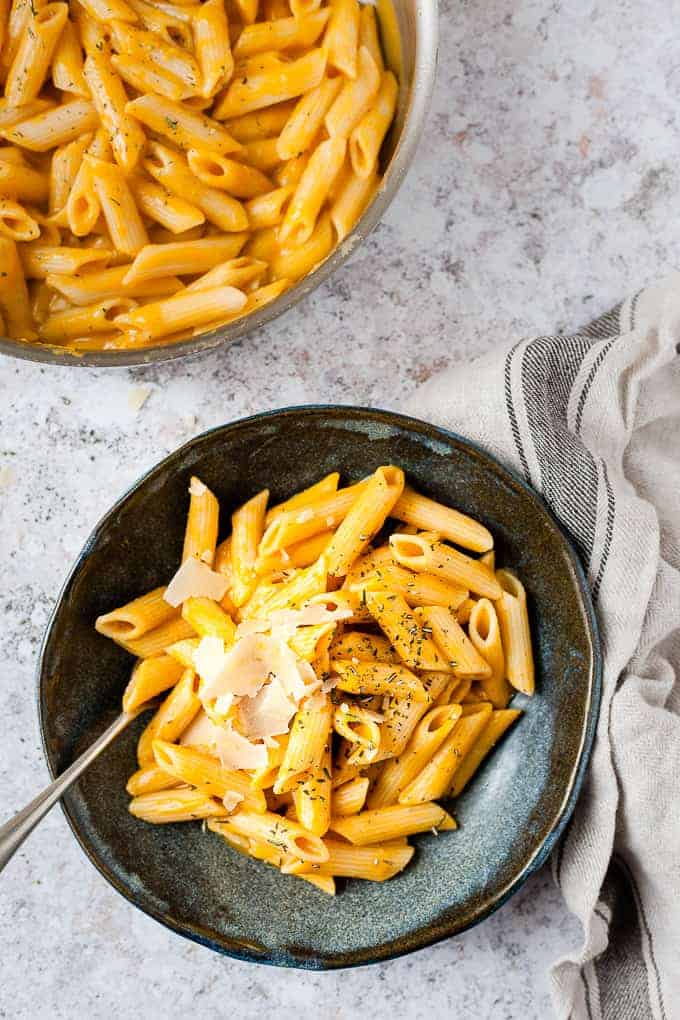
(428, 736)
(22, 183)
(513, 620)
(374, 863)
(281, 834)
(355, 98)
(15, 222)
(86, 320)
(150, 677)
(39, 260)
(464, 610)
(428, 515)
(120, 212)
(148, 77)
(364, 520)
(34, 54)
(367, 137)
(53, 127)
(137, 617)
(66, 162)
(173, 716)
(368, 34)
(173, 213)
(327, 486)
(350, 798)
(150, 779)
(207, 774)
(262, 779)
(14, 301)
(11, 115)
(402, 716)
(344, 600)
(455, 645)
(181, 311)
(436, 777)
(312, 798)
(421, 553)
(67, 63)
(171, 170)
(208, 619)
(156, 261)
(326, 883)
(485, 635)
(247, 526)
(499, 722)
(269, 209)
(280, 34)
(157, 640)
(274, 84)
(378, 678)
(291, 171)
(311, 192)
(489, 559)
(306, 120)
(364, 647)
(239, 272)
(179, 805)
(416, 589)
(351, 198)
(292, 263)
(395, 619)
(110, 99)
(98, 285)
(211, 40)
(309, 642)
(186, 128)
(264, 123)
(303, 521)
(151, 48)
(200, 536)
(227, 174)
(341, 41)
(301, 554)
(307, 743)
(386, 823)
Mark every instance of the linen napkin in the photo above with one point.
(592, 421)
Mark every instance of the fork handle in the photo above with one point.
(14, 832)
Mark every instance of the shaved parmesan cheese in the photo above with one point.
(237, 752)
(308, 616)
(197, 488)
(268, 714)
(195, 580)
(242, 670)
(201, 732)
(232, 799)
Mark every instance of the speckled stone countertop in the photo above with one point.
(547, 187)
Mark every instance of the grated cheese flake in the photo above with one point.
(194, 580)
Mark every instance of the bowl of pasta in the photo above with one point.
(174, 176)
(376, 676)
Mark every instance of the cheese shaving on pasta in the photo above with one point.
(195, 579)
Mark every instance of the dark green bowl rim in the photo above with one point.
(422, 937)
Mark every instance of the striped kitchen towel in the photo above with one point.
(592, 421)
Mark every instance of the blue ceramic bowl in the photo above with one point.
(510, 816)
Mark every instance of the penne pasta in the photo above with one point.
(378, 678)
(342, 38)
(170, 169)
(37, 44)
(353, 195)
(436, 777)
(415, 647)
(383, 824)
(150, 779)
(207, 774)
(16, 223)
(428, 515)
(367, 137)
(307, 744)
(55, 126)
(513, 620)
(485, 635)
(499, 722)
(451, 639)
(280, 833)
(364, 519)
(247, 526)
(150, 677)
(350, 798)
(173, 716)
(184, 127)
(14, 303)
(374, 863)
(355, 97)
(312, 798)
(273, 84)
(420, 553)
(182, 804)
(137, 617)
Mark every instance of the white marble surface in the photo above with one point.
(547, 187)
